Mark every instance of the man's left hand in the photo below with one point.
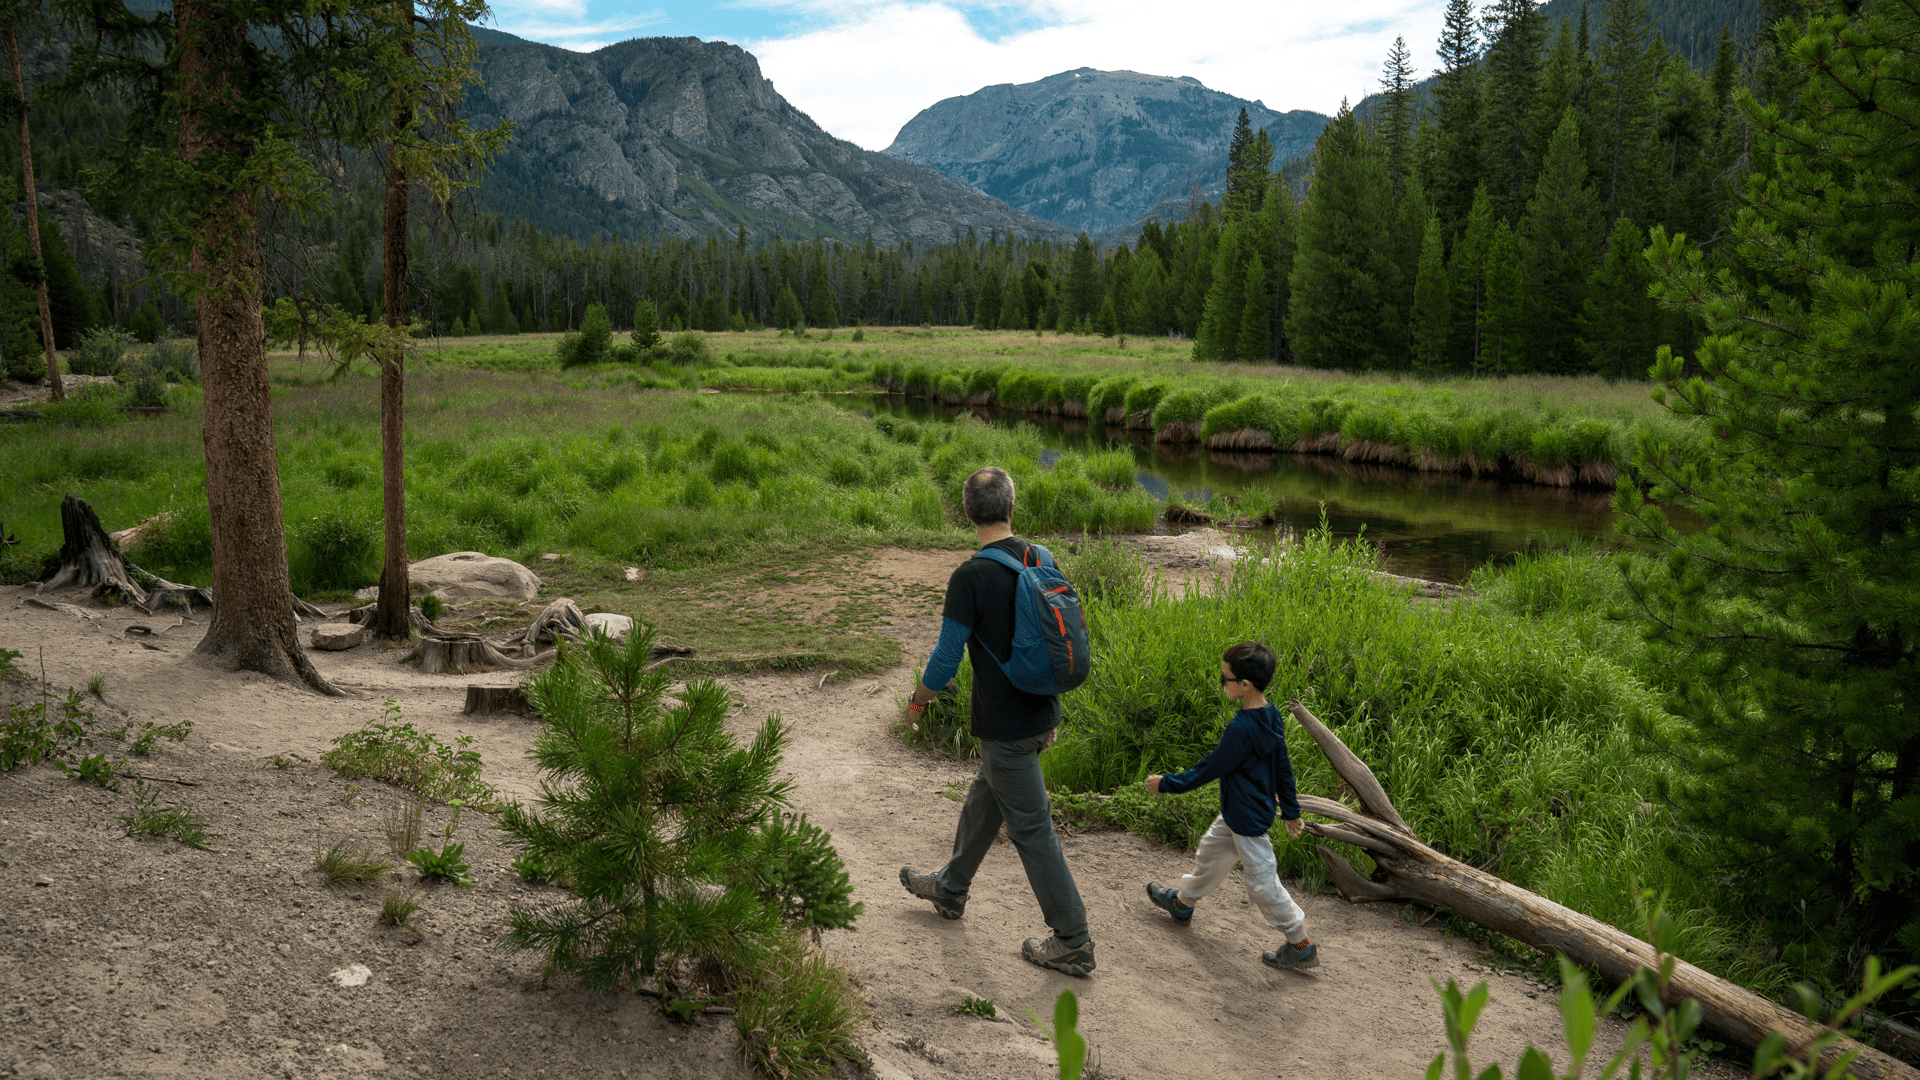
(1295, 827)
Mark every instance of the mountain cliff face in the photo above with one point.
(1094, 150)
(683, 137)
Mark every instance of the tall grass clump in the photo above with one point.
(1504, 741)
(1063, 498)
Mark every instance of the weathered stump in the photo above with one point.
(90, 560)
(497, 701)
(1414, 871)
(459, 654)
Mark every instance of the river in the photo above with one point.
(1438, 526)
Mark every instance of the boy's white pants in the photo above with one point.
(1215, 857)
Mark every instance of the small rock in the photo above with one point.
(551, 557)
(285, 949)
(634, 573)
(335, 637)
(43, 882)
(610, 625)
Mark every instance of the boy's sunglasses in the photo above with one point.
(1225, 679)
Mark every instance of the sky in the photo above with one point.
(863, 68)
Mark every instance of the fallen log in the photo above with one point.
(1414, 871)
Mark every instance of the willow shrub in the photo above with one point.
(1503, 729)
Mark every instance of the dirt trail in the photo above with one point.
(119, 957)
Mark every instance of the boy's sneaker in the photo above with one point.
(1055, 954)
(1294, 957)
(927, 887)
(1168, 900)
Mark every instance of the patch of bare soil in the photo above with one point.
(123, 957)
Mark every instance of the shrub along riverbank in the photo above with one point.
(1505, 728)
(1556, 431)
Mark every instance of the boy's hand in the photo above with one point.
(1153, 784)
(1294, 827)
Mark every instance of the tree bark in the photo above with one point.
(33, 222)
(391, 619)
(496, 701)
(1417, 872)
(253, 627)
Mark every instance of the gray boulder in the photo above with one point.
(463, 574)
(336, 637)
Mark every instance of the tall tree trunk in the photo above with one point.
(253, 626)
(391, 619)
(33, 221)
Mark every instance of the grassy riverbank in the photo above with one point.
(1505, 728)
(1558, 431)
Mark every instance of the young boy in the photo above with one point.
(1252, 767)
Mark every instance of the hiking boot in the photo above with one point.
(1294, 957)
(1168, 900)
(927, 887)
(1055, 954)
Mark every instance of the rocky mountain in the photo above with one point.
(683, 137)
(1094, 150)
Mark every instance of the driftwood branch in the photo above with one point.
(1414, 871)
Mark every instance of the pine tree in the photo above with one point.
(1467, 271)
(1343, 306)
(786, 311)
(986, 314)
(1276, 239)
(1254, 343)
(1106, 324)
(1242, 178)
(646, 324)
(1430, 296)
(1219, 336)
(668, 832)
(1509, 152)
(1396, 115)
(1455, 168)
(1083, 280)
(1787, 627)
(1618, 320)
(1559, 246)
(1146, 304)
(1013, 307)
(1623, 105)
(596, 334)
(1504, 309)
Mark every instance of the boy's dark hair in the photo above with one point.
(1253, 662)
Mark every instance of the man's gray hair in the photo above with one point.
(988, 496)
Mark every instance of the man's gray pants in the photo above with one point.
(1009, 789)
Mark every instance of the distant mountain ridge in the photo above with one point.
(680, 137)
(1094, 150)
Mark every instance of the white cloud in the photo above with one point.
(564, 23)
(872, 64)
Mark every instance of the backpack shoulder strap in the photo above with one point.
(994, 554)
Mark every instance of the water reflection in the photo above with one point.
(1439, 526)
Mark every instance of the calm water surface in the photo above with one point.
(1439, 526)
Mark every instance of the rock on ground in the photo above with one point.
(472, 574)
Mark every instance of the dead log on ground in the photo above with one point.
(496, 701)
(1417, 872)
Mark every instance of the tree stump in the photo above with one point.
(459, 654)
(90, 560)
(497, 701)
(1417, 872)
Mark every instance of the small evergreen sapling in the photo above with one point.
(668, 831)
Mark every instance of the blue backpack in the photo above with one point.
(1050, 652)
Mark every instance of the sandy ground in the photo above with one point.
(128, 958)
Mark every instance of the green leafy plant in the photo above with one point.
(799, 1012)
(431, 606)
(975, 1006)
(1065, 1034)
(97, 686)
(346, 863)
(95, 769)
(39, 730)
(100, 353)
(149, 819)
(151, 733)
(531, 869)
(447, 864)
(282, 761)
(418, 761)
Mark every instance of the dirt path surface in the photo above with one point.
(121, 957)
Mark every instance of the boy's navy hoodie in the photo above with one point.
(1252, 766)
